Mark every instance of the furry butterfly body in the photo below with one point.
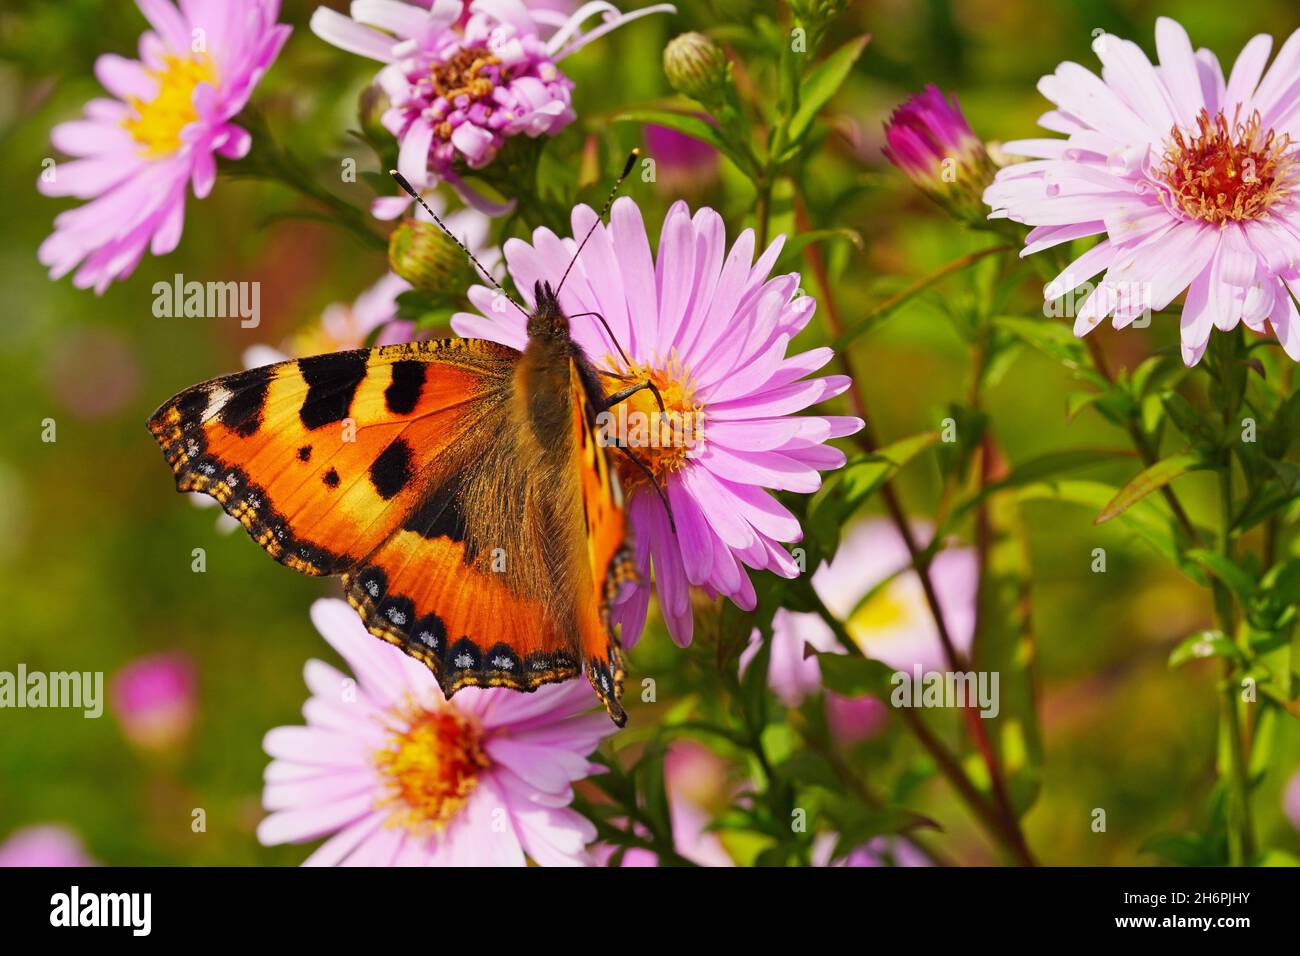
(457, 486)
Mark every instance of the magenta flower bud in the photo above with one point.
(929, 140)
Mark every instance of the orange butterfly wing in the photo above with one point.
(394, 467)
(609, 555)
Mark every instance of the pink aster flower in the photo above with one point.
(171, 118)
(894, 625)
(395, 774)
(155, 699)
(459, 89)
(44, 845)
(1190, 178)
(712, 331)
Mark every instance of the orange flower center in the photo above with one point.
(431, 766)
(1228, 172)
(663, 442)
(157, 124)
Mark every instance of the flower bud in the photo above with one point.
(426, 257)
(929, 140)
(696, 67)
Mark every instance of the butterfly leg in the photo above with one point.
(624, 394)
(654, 482)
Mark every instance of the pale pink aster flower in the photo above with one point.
(172, 117)
(1190, 178)
(458, 90)
(712, 331)
(395, 774)
(155, 699)
(44, 845)
(894, 626)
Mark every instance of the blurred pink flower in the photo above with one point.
(171, 119)
(458, 93)
(893, 626)
(155, 699)
(396, 775)
(878, 851)
(684, 166)
(44, 845)
(1291, 800)
(854, 719)
(709, 327)
(1150, 161)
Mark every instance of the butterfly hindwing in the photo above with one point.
(608, 555)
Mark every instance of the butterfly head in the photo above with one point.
(547, 319)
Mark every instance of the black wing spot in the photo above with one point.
(242, 412)
(304, 453)
(391, 471)
(430, 632)
(408, 382)
(332, 382)
(331, 478)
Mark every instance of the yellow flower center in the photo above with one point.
(1228, 172)
(886, 609)
(157, 124)
(462, 75)
(430, 766)
(664, 442)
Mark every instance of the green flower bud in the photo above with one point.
(428, 258)
(696, 67)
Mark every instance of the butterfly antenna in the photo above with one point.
(627, 168)
(401, 181)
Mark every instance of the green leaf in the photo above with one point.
(853, 676)
(795, 245)
(1186, 849)
(1205, 644)
(1237, 580)
(693, 127)
(1149, 480)
(849, 488)
(822, 82)
(1192, 423)
(1146, 519)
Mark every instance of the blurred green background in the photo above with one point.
(95, 546)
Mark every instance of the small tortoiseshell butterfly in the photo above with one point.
(460, 488)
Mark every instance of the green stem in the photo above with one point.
(888, 305)
(1241, 841)
(1004, 830)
